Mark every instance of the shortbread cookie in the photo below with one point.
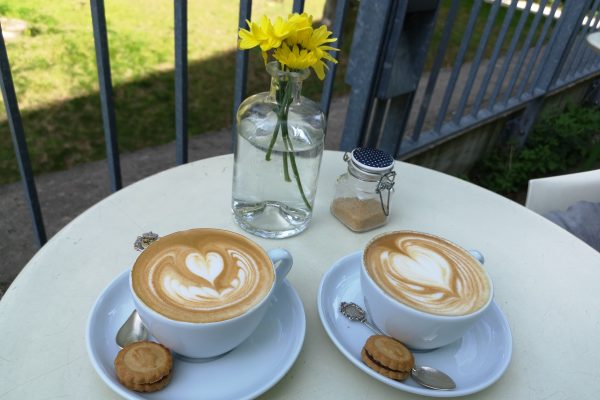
(144, 363)
(389, 352)
(375, 366)
(151, 387)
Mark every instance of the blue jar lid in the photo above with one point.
(372, 160)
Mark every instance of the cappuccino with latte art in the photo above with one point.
(427, 273)
(202, 275)
(203, 292)
(421, 289)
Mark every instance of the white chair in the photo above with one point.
(593, 40)
(570, 201)
(557, 193)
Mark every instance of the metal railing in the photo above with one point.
(18, 138)
(403, 98)
(512, 54)
(107, 103)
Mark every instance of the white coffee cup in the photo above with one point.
(201, 340)
(418, 329)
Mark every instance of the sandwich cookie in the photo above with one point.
(144, 366)
(388, 357)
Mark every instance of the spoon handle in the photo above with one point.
(372, 327)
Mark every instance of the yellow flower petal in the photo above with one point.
(320, 54)
(253, 37)
(318, 38)
(247, 40)
(300, 21)
(319, 68)
(282, 29)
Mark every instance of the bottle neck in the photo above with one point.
(285, 84)
(281, 88)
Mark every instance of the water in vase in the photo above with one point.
(263, 202)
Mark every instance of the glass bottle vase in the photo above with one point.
(280, 136)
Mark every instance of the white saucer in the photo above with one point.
(475, 361)
(246, 372)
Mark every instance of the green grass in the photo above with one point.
(55, 60)
(55, 75)
(56, 80)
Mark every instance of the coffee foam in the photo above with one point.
(202, 275)
(427, 273)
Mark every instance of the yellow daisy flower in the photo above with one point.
(280, 30)
(293, 42)
(316, 42)
(264, 34)
(302, 28)
(294, 58)
(251, 38)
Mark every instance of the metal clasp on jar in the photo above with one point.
(386, 182)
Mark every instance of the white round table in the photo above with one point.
(546, 283)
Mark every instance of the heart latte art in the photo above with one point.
(202, 275)
(427, 273)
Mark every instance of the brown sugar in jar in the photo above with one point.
(358, 215)
(363, 193)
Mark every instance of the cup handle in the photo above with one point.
(478, 256)
(282, 260)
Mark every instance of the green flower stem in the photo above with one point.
(284, 99)
(286, 172)
(273, 139)
(289, 146)
(284, 133)
(285, 137)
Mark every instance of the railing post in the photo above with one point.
(298, 6)
(106, 93)
(402, 70)
(365, 53)
(341, 9)
(181, 82)
(386, 62)
(554, 58)
(18, 138)
(241, 70)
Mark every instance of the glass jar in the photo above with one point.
(277, 157)
(363, 193)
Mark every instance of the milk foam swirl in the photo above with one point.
(427, 273)
(202, 275)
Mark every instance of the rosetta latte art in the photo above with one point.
(202, 278)
(427, 273)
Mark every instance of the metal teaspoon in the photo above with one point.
(426, 376)
(133, 330)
